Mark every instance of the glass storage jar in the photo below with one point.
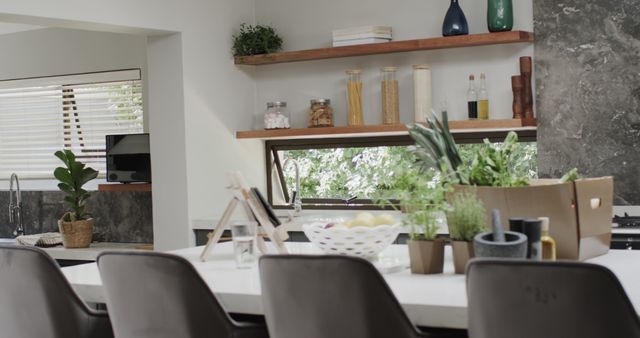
(277, 116)
(320, 113)
(389, 92)
(354, 98)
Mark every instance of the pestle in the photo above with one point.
(498, 231)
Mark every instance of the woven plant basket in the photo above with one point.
(76, 234)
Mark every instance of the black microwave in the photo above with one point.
(128, 158)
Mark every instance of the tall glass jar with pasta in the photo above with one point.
(389, 92)
(354, 98)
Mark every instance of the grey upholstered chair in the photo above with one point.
(553, 300)
(155, 295)
(329, 297)
(37, 301)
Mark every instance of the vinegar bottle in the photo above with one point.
(472, 99)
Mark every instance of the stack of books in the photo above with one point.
(361, 35)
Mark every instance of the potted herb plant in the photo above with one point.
(76, 225)
(422, 199)
(256, 39)
(466, 218)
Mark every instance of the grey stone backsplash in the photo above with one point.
(588, 90)
(119, 216)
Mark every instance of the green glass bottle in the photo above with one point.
(500, 15)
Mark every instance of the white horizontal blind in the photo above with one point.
(72, 112)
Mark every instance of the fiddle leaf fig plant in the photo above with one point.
(73, 176)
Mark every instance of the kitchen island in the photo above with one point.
(429, 300)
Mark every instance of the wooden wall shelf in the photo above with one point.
(384, 130)
(483, 39)
(139, 187)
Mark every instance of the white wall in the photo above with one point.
(197, 112)
(54, 51)
(308, 24)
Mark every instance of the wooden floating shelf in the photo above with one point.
(467, 126)
(119, 187)
(484, 39)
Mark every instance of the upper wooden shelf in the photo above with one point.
(484, 39)
(467, 126)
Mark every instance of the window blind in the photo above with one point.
(39, 116)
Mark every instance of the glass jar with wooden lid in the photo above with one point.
(320, 113)
(354, 98)
(389, 92)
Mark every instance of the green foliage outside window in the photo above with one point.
(376, 172)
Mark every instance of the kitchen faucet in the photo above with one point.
(296, 201)
(15, 210)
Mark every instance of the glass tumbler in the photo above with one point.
(243, 235)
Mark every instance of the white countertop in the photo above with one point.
(92, 252)
(429, 300)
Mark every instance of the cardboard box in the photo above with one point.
(579, 212)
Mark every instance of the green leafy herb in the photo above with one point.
(422, 200)
(72, 177)
(570, 176)
(466, 218)
(254, 40)
(490, 166)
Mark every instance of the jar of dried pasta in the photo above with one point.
(389, 92)
(320, 113)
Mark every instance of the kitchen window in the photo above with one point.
(39, 116)
(352, 173)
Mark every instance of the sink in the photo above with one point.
(4, 241)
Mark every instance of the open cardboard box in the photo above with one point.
(579, 212)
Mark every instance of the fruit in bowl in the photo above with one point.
(364, 236)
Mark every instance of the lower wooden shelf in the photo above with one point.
(384, 130)
(140, 187)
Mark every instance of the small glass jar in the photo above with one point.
(320, 113)
(354, 98)
(277, 116)
(389, 92)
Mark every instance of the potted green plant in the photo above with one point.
(256, 39)
(76, 225)
(422, 201)
(466, 218)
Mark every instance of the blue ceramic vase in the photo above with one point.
(455, 22)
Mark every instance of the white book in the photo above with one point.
(362, 30)
(358, 42)
(363, 36)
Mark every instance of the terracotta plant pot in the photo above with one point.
(76, 234)
(462, 253)
(427, 257)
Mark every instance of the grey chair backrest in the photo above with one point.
(155, 295)
(37, 301)
(329, 297)
(553, 300)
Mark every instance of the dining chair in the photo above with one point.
(37, 301)
(157, 295)
(329, 297)
(525, 299)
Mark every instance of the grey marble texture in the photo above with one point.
(587, 63)
(120, 216)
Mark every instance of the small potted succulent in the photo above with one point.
(76, 225)
(466, 219)
(422, 201)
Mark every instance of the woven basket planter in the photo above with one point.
(76, 234)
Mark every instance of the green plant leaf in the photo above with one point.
(63, 176)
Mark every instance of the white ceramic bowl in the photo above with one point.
(366, 242)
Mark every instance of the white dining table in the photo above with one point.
(429, 300)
